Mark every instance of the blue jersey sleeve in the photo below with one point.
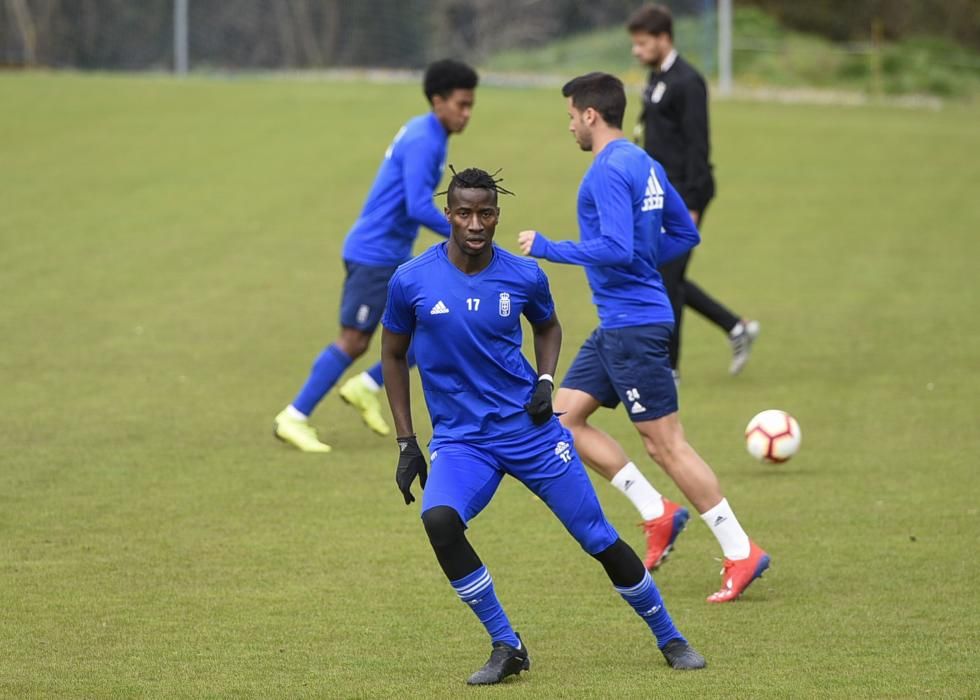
(680, 233)
(614, 245)
(540, 305)
(420, 174)
(399, 314)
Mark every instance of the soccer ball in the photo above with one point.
(773, 436)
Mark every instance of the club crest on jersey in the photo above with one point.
(504, 305)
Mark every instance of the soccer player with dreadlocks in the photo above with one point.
(381, 239)
(459, 305)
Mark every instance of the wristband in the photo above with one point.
(547, 377)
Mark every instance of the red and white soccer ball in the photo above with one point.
(773, 436)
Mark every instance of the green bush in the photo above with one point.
(766, 53)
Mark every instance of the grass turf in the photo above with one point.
(170, 268)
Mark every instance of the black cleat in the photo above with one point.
(504, 661)
(681, 656)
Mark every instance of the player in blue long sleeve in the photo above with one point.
(621, 248)
(460, 305)
(400, 201)
(631, 221)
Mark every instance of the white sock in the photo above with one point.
(723, 523)
(647, 499)
(295, 414)
(369, 382)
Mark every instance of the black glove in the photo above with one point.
(539, 407)
(411, 464)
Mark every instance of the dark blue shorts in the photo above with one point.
(365, 295)
(464, 476)
(629, 365)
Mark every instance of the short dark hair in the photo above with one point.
(651, 19)
(442, 77)
(602, 92)
(474, 179)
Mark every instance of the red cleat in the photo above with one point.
(737, 575)
(661, 533)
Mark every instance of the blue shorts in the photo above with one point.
(464, 476)
(365, 295)
(629, 365)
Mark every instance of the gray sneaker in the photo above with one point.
(741, 338)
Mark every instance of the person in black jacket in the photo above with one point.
(674, 125)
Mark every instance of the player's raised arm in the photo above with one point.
(613, 246)
(607, 221)
(607, 250)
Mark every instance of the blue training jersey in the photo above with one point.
(400, 199)
(467, 339)
(631, 220)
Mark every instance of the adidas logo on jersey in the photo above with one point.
(653, 198)
(439, 308)
(637, 407)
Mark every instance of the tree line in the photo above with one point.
(256, 34)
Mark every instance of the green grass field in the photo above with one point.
(169, 267)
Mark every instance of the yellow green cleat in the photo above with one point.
(361, 397)
(298, 433)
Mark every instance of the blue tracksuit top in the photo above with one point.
(400, 199)
(466, 332)
(631, 220)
